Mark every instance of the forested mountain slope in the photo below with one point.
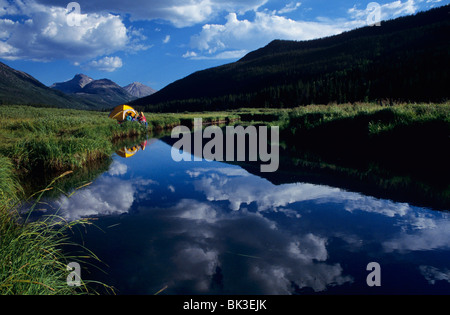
(406, 60)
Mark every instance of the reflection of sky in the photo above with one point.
(108, 195)
(205, 226)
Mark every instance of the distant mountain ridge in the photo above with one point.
(104, 91)
(81, 92)
(74, 85)
(17, 87)
(406, 60)
(139, 90)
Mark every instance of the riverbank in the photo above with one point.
(411, 135)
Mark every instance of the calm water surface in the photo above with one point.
(214, 228)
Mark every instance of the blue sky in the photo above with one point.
(159, 41)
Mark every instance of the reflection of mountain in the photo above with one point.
(372, 179)
(364, 176)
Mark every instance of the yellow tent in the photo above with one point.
(121, 112)
(127, 152)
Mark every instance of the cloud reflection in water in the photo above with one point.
(223, 230)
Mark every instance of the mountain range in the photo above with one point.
(403, 60)
(17, 87)
(139, 90)
(81, 92)
(103, 92)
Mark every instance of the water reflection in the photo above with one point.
(130, 150)
(213, 228)
(108, 195)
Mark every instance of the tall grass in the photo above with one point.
(9, 187)
(33, 254)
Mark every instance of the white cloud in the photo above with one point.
(180, 13)
(117, 168)
(230, 54)
(242, 189)
(388, 11)
(108, 64)
(45, 34)
(195, 210)
(290, 7)
(239, 35)
(435, 236)
(166, 39)
(433, 274)
(309, 247)
(190, 54)
(108, 195)
(7, 50)
(197, 265)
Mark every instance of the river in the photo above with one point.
(207, 227)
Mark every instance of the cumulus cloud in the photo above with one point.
(108, 64)
(180, 13)
(239, 189)
(43, 33)
(109, 195)
(244, 35)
